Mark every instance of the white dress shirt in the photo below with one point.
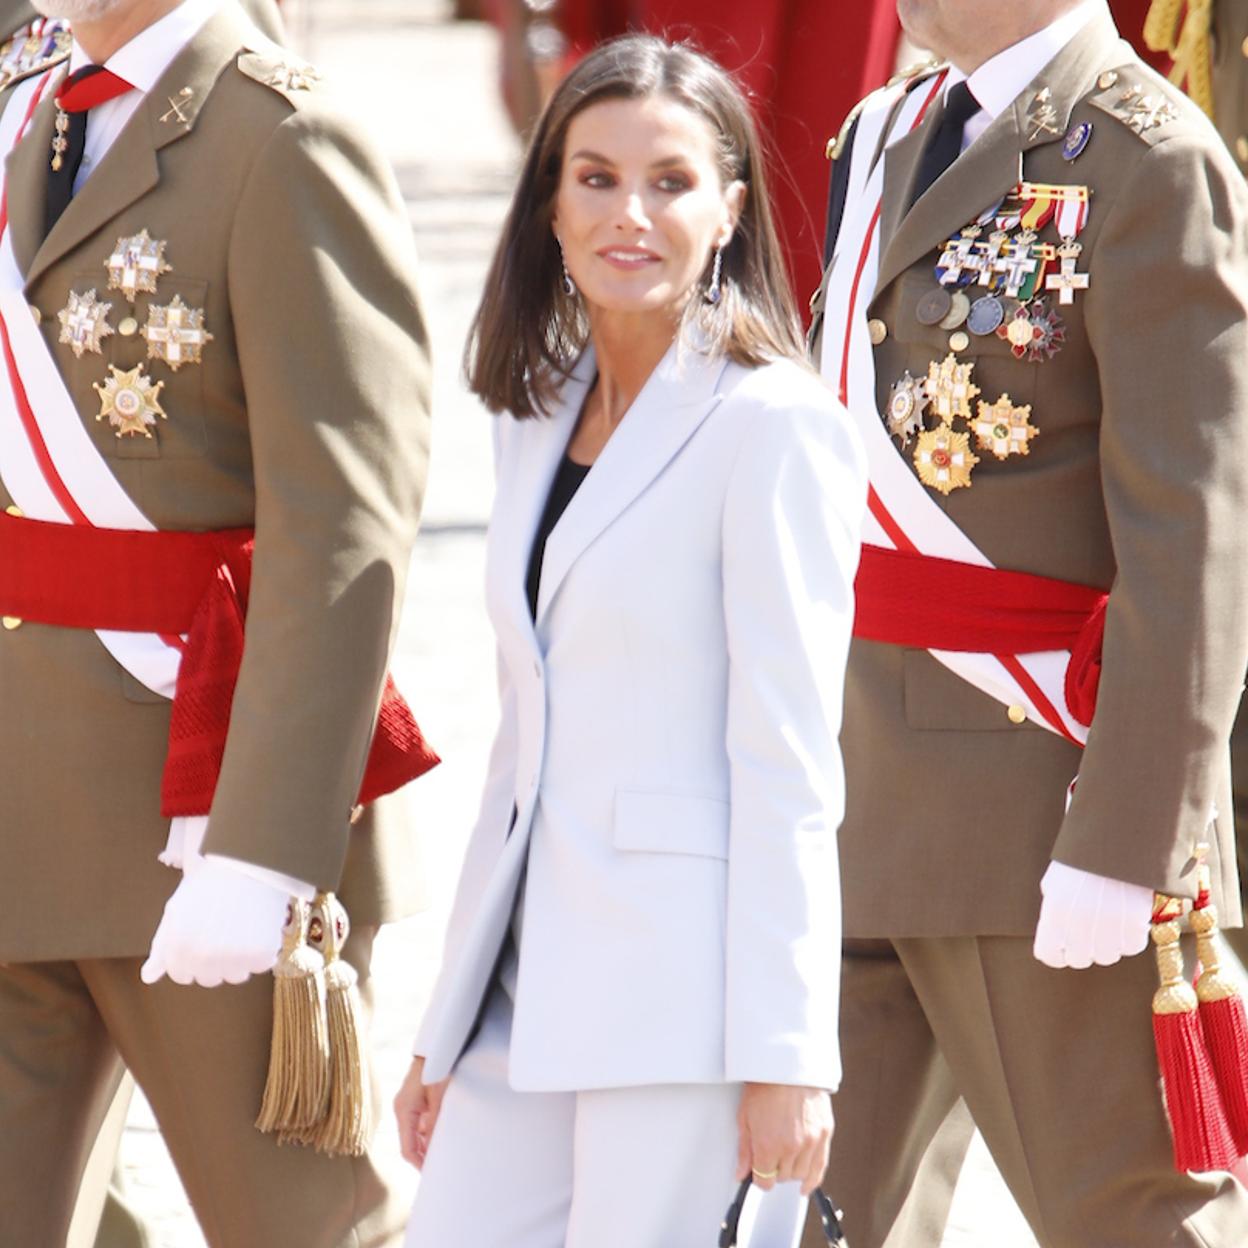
(997, 82)
(141, 62)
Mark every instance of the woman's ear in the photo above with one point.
(734, 203)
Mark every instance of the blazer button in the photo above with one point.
(36, 315)
(959, 341)
(14, 510)
(877, 331)
(1017, 714)
(11, 622)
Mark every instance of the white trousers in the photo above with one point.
(648, 1167)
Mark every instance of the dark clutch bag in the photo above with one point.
(829, 1215)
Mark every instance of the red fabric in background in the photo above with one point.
(1130, 15)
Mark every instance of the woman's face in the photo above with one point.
(640, 205)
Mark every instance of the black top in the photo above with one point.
(566, 483)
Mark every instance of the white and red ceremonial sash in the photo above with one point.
(48, 463)
(902, 514)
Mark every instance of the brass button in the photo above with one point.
(959, 341)
(1107, 79)
(877, 331)
(11, 622)
(36, 315)
(128, 327)
(1241, 148)
(1243, 47)
(1017, 714)
(14, 510)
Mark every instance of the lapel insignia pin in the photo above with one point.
(84, 322)
(906, 406)
(176, 334)
(130, 401)
(950, 389)
(1004, 428)
(944, 459)
(287, 77)
(136, 264)
(176, 104)
(1041, 115)
(1076, 140)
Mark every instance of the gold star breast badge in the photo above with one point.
(84, 322)
(944, 460)
(136, 264)
(906, 406)
(176, 334)
(130, 401)
(950, 389)
(1004, 429)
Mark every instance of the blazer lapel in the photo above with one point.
(674, 402)
(993, 164)
(131, 168)
(523, 487)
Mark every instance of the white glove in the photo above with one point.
(223, 923)
(1086, 918)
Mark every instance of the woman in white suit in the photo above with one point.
(640, 988)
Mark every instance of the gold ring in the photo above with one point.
(765, 1174)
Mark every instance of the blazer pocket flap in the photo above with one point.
(671, 823)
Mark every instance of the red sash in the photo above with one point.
(178, 584)
(908, 599)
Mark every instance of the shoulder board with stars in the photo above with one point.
(285, 73)
(33, 48)
(912, 76)
(1143, 107)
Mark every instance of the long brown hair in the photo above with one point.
(527, 332)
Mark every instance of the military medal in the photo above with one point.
(1068, 281)
(1018, 264)
(136, 264)
(949, 388)
(1035, 333)
(60, 144)
(985, 315)
(1003, 428)
(990, 256)
(959, 263)
(934, 306)
(906, 405)
(175, 334)
(959, 310)
(944, 460)
(84, 322)
(130, 401)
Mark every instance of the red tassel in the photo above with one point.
(1202, 1137)
(1223, 1020)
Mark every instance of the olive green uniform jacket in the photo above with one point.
(307, 418)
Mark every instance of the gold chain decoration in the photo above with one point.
(1183, 29)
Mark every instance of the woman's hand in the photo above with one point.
(416, 1107)
(784, 1135)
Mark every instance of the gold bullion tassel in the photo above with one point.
(1222, 1016)
(1187, 39)
(297, 1090)
(1200, 1134)
(348, 1121)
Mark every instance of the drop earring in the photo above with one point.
(713, 292)
(569, 286)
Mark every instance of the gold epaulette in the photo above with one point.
(1185, 34)
(917, 70)
(24, 53)
(287, 74)
(836, 144)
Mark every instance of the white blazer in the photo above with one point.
(668, 741)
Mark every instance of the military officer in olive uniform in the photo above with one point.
(1037, 311)
(226, 336)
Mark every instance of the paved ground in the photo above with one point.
(426, 87)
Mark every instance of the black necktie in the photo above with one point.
(946, 143)
(61, 180)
